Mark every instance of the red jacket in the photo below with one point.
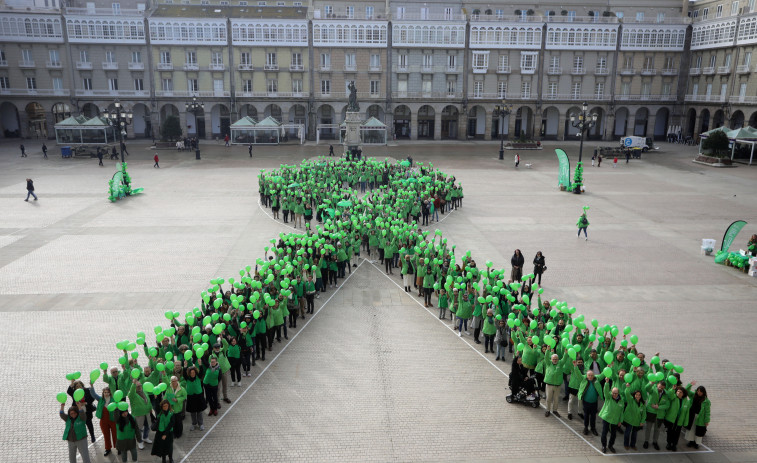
(156, 158)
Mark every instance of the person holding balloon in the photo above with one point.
(634, 416)
(590, 392)
(76, 428)
(141, 406)
(699, 417)
(611, 414)
(86, 399)
(107, 418)
(657, 407)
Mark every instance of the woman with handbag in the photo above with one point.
(539, 267)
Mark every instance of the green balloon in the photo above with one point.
(678, 368)
(78, 394)
(118, 395)
(607, 372)
(187, 354)
(112, 406)
(672, 380)
(535, 340)
(654, 360)
(135, 373)
(634, 339)
(123, 406)
(159, 367)
(148, 387)
(628, 377)
(572, 353)
(94, 375)
(104, 366)
(608, 357)
(61, 397)
(668, 365)
(636, 362)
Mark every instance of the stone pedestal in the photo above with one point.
(352, 140)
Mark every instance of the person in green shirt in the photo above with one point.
(76, 431)
(428, 286)
(589, 393)
(552, 378)
(309, 290)
(163, 445)
(489, 330)
(443, 304)
(210, 383)
(176, 396)
(634, 415)
(234, 354)
(611, 414)
(195, 398)
(699, 416)
(127, 435)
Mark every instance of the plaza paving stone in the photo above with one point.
(373, 376)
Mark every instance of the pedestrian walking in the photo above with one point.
(156, 161)
(331, 150)
(615, 162)
(599, 160)
(114, 153)
(30, 189)
(517, 159)
(123, 148)
(249, 149)
(100, 156)
(226, 140)
(628, 155)
(593, 158)
(583, 224)
(23, 151)
(44, 150)
(76, 432)
(539, 267)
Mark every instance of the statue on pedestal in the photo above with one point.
(352, 106)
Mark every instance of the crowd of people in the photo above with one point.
(373, 209)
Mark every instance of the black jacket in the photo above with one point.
(517, 260)
(539, 264)
(30, 185)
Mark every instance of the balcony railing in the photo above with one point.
(601, 71)
(325, 68)
(37, 91)
(439, 95)
(402, 68)
(106, 93)
(724, 69)
(429, 17)
(708, 70)
(54, 64)
(507, 18)
(695, 71)
(503, 69)
(110, 65)
(648, 72)
(578, 71)
(271, 94)
(165, 66)
(528, 70)
(706, 98)
(134, 66)
(500, 96)
(3, 63)
(627, 72)
(191, 67)
(188, 94)
(743, 99)
(83, 65)
(350, 68)
(26, 64)
(669, 72)
(104, 11)
(325, 94)
(554, 70)
(369, 95)
(427, 68)
(217, 67)
(743, 69)
(642, 97)
(296, 67)
(575, 97)
(583, 19)
(375, 68)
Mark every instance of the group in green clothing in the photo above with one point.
(234, 325)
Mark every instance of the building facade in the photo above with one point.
(434, 70)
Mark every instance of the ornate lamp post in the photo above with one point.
(195, 107)
(584, 122)
(120, 117)
(502, 111)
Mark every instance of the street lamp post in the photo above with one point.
(584, 122)
(195, 107)
(119, 117)
(502, 111)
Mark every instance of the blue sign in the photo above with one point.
(627, 142)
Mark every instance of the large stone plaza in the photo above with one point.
(373, 375)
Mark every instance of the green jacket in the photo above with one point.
(176, 399)
(139, 406)
(464, 308)
(80, 425)
(260, 327)
(552, 372)
(194, 386)
(576, 376)
(490, 327)
(128, 432)
(612, 410)
(585, 383)
(634, 413)
(428, 281)
(165, 422)
(211, 376)
(652, 397)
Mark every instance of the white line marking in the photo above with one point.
(541, 405)
(269, 365)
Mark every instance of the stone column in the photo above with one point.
(414, 124)
(488, 126)
(438, 125)
(609, 133)
(561, 127)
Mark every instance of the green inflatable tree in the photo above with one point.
(578, 178)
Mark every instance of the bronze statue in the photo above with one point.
(353, 106)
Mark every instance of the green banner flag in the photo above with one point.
(730, 234)
(564, 174)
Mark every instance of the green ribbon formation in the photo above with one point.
(388, 216)
(120, 185)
